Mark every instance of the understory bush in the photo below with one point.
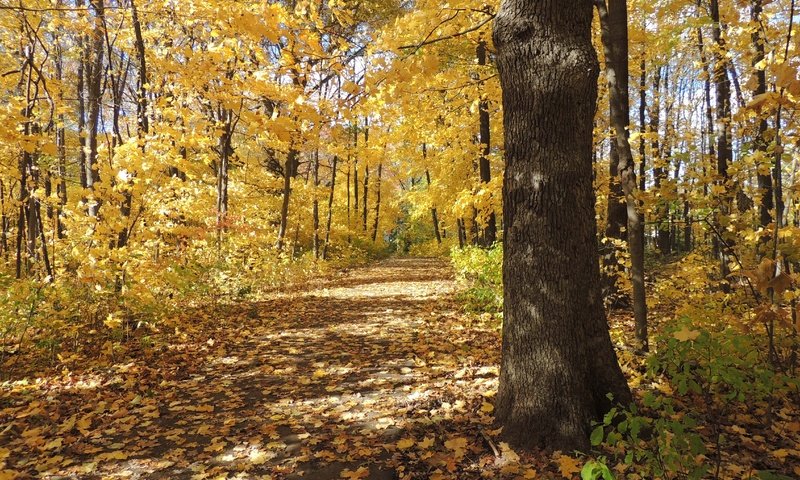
(480, 270)
(698, 380)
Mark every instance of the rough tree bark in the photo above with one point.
(614, 25)
(558, 363)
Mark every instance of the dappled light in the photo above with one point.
(406, 240)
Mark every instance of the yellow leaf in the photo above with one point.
(780, 454)
(118, 455)
(509, 455)
(50, 148)
(784, 75)
(568, 465)
(684, 334)
(258, 457)
(84, 423)
(362, 472)
(405, 443)
(487, 407)
(529, 474)
(54, 444)
(426, 443)
(458, 445)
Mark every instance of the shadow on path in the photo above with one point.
(310, 384)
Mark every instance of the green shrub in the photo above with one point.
(481, 271)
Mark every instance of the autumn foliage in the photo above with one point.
(189, 190)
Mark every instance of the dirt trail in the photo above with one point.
(322, 382)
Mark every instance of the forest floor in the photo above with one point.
(372, 373)
(368, 374)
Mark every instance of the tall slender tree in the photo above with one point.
(614, 24)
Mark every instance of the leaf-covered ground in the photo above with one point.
(372, 373)
(369, 374)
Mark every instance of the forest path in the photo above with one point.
(369, 374)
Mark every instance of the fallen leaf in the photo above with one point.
(405, 443)
(568, 466)
(362, 472)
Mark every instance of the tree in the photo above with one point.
(614, 25)
(490, 229)
(558, 364)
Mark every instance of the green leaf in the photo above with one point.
(770, 475)
(597, 436)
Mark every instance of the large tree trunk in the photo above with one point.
(490, 230)
(558, 363)
(614, 22)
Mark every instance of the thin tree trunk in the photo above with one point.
(61, 144)
(330, 207)
(315, 206)
(95, 86)
(614, 25)
(356, 185)
(142, 124)
(377, 203)
(434, 213)
(722, 132)
(642, 125)
(225, 153)
(659, 169)
(83, 61)
(289, 171)
(45, 256)
(759, 142)
(490, 230)
(366, 181)
(3, 222)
